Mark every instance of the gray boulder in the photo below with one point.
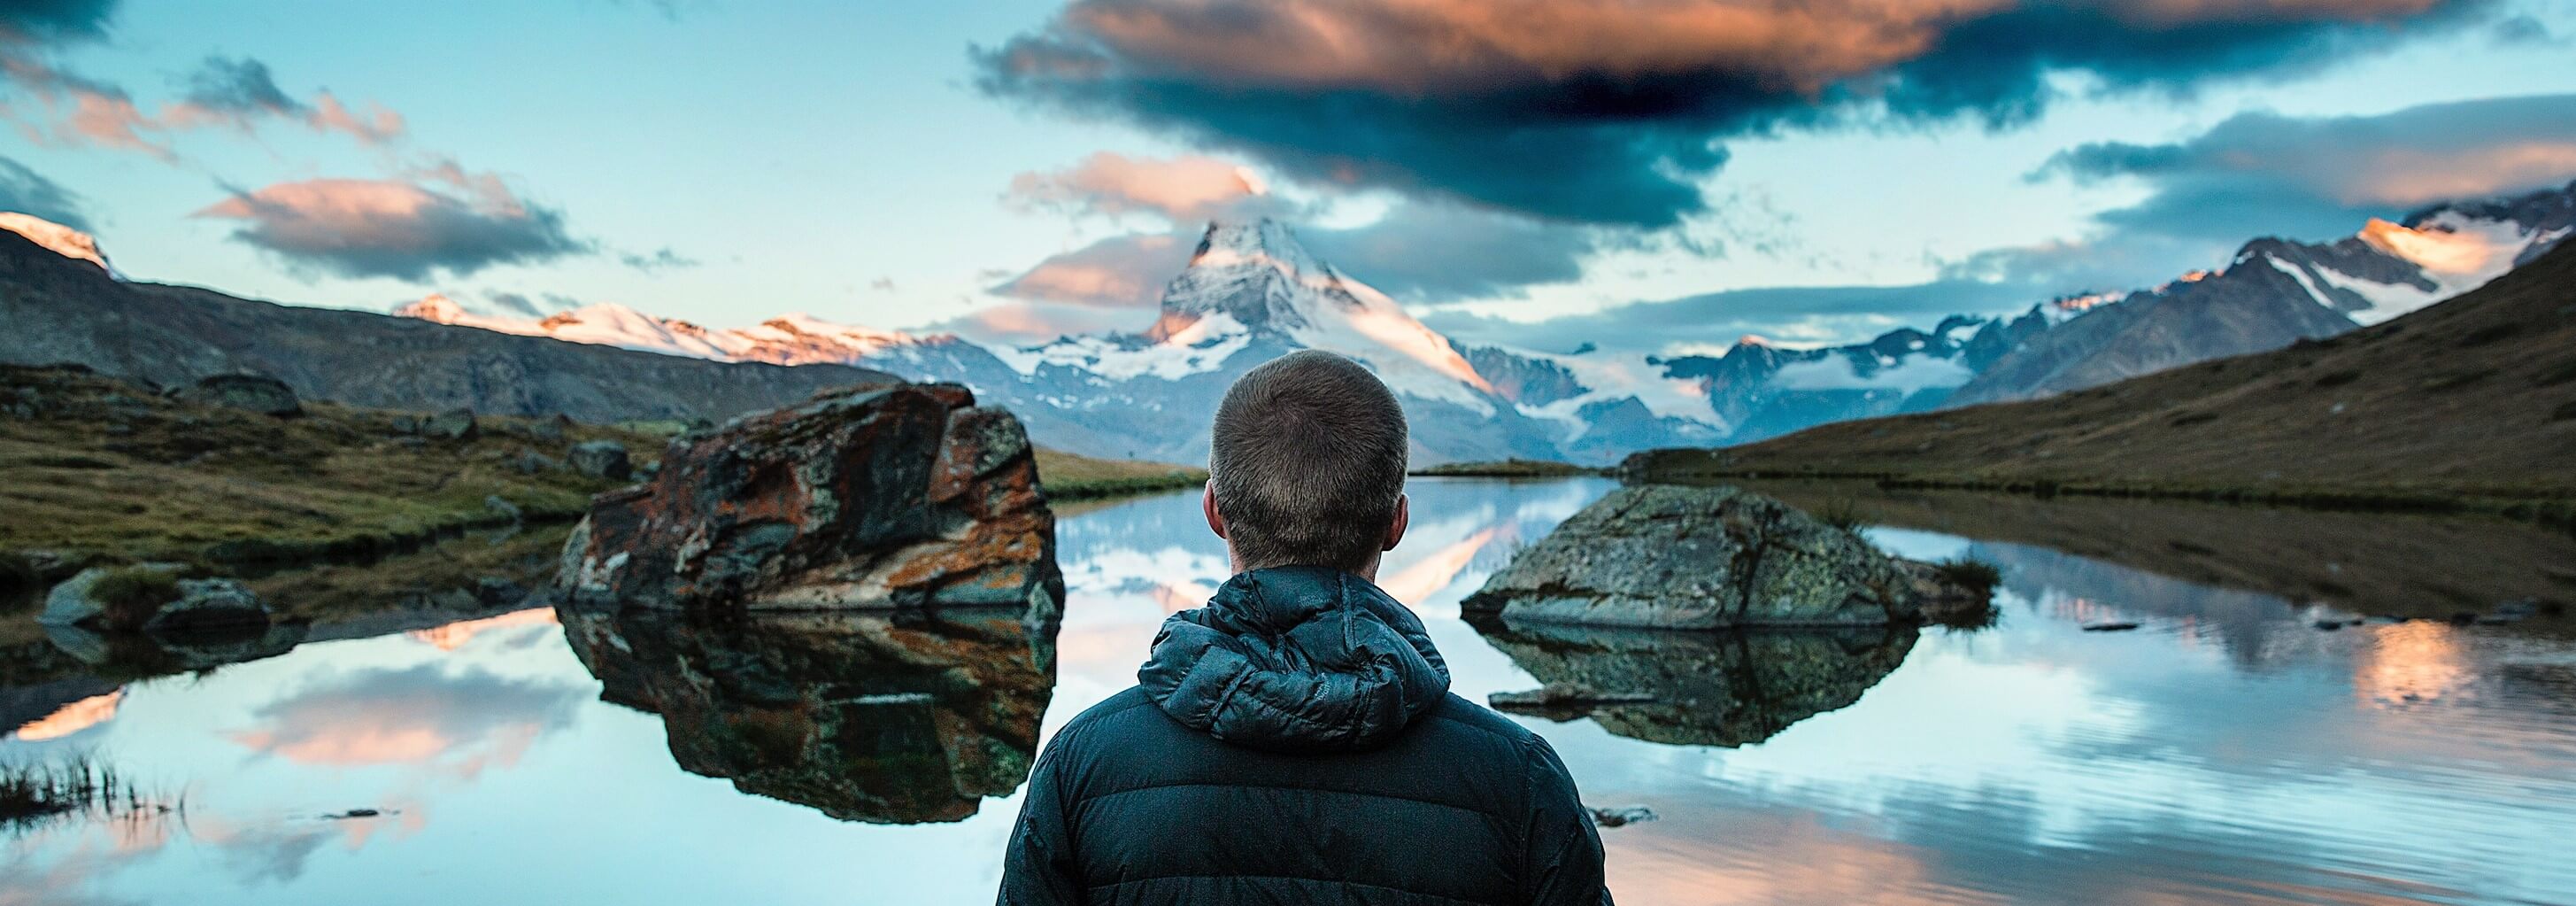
(1689, 557)
(79, 601)
(152, 598)
(209, 604)
(602, 459)
(252, 392)
(453, 424)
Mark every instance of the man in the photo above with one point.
(1295, 741)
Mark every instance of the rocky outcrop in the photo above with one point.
(865, 717)
(894, 495)
(1695, 688)
(251, 392)
(1693, 557)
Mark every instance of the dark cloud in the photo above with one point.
(390, 228)
(665, 259)
(1610, 111)
(239, 86)
(2263, 173)
(1795, 314)
(1434, 252)
(47, 21)
(515, 303)
(29, 192)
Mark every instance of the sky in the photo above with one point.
(1660, 175)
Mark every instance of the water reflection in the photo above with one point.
(1707, 688)
(883, 717)
(2226, 752)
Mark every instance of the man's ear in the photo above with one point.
(1207, 504)
(1394, 530)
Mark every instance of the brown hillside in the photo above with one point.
(2475, 397)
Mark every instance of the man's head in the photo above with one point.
(1306, 466)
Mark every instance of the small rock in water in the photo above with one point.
(1617, 817)
(2109, 627)
(354, 813)
(1563, 695)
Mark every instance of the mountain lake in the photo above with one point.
(2229, 749)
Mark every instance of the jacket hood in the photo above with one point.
(1296, 659)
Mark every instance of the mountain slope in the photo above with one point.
(2474, 396)
(2276, 292)
(60, 309)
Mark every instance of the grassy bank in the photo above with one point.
(98, 469)
(1509, 468)
(1072, 477)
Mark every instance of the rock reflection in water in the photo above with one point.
(1709, 688)
(890, 718)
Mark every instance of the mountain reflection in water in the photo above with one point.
(2228, 751)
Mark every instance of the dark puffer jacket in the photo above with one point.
(1295, 742)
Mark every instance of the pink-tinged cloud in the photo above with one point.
(398, 229)
(1185, 188)
(2261, 173)
(1118, 272)
(455, 721)
(237, 94)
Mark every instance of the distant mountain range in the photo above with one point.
(2472, 399)
(1252, 292)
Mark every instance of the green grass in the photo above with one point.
(1970, 573)
(1069, 476)
(1509, 468)
(112, 470)
(34, 792)
(1841, 513)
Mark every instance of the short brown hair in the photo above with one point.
(1306, 460)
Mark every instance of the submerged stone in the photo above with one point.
(1700, 688)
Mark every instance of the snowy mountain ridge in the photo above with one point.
(1251, 292)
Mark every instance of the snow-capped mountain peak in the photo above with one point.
(1256, 278)
(60, 239)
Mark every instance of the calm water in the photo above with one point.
(2228, 751)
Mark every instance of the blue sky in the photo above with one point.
(924, 166)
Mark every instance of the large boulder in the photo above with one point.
(256, 393)
(1693, 557)
(901, 495)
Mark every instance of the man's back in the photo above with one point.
(1294, 742)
